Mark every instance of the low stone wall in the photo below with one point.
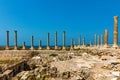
(13, 70)
(12, 53)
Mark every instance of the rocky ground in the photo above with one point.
(10, 57)
(84, 64)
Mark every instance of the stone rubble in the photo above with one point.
(85, 64)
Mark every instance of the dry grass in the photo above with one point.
(8, 61)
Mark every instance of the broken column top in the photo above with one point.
(116, 20)
(115, 16)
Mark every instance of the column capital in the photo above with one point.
(15, 30)
(7, 31)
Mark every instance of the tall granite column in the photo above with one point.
(115, 45)
(7, 40)
(23, 46)
(64, 39)
(83, 42)
(90, 44)
(40, 45)
(56, 45)
(32, 43)
(71, 48)
(75, 47)
(78, 41)
(48, 41)
(98, 40)
(106, 38)
(15, 40)
(101, 40)
(95, 40)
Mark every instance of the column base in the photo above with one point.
(63, 48)
(56, 47)
(83, 45)
(7, 48)
(95, 46)
(101, 45)
(15, 48)
(23, 48)
(106, 46)
(90, 45)
(75, 47)
(71, 48)
(32, 48)
(40, 48)
(79, 46)
(48, 48)
(115, 46)
(98, 45)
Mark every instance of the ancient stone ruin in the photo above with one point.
(97, 60)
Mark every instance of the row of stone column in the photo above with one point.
(73, 45)
(15, 40)
(40, 42)
(32, 41)
(56, 42)
(98, 39)
(115, 44)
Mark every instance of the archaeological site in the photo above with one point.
(97, 60)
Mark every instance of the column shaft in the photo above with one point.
(32, 43)
(95, 40)
(98, 40)
(115, 32)
(64, 39)
(48, 41)
(40, 44)
(106, 38)
(71, 48)
(79, 41)
(7, 40)
(101, 40)
(23, 46)
(15, 39)
(83, 42)
(90, 44)
(56, 40)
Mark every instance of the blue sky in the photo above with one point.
(38, 17)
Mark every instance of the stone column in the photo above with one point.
(95, 40)
(23, 46)
(78, 41)
(40, 45)
(115, 45)
(32, 43)
(101, 40)
(106, 38)
(90, 44)
(15, 40)
(7, 40)
(83, 42)
(98, 40)
(75, 47)
(48, 41)
(64, 39)
(56, 45)
(71, 48)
